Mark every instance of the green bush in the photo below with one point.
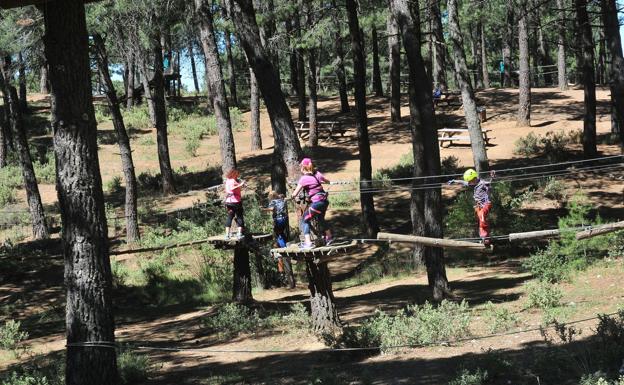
(554, 189)
(33, 378)
(552, 145)
(10, 179)
(467, 377)
(46, 171)
(528, 145)
(11, 336)
(599, 379)
(137, 118)
(543, 295)
(120, 273)
(414, 325)
(114, 186)
(147, 140)
(101, 113)
(498, 318)
(232, 319)
(343, 200)
(133, 368)
(236, 117)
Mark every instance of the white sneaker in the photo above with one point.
(306, 246)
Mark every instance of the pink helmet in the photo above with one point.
(306, 162)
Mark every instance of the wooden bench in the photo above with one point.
(329, 127)
(450, 135)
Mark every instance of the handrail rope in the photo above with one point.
(113, 345)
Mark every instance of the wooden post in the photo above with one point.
(599, 230)
(433, 242)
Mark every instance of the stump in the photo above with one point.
(322, 303)
(241, 291)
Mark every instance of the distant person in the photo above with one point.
(481, 192)
(279, 208)
(234, 203)
(437, 95)
(311, 184)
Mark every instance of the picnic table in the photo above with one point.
(329, 127)
(450, 135)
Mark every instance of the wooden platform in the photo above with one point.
(220, 242)
(318, 254)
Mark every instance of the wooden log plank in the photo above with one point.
(318, 254)
(433, 242)
(217, 240)
(541, 234)
(600, 230)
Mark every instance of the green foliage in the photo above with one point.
(114, 186)
(133, 368)
(414, 325)
(33, 378)
(543, 295)
(567, 254)
(147, 140)
(11, 336)
(10, 179)
(554, 189)
(343, 200)
(467, 377)
(599, 379)
(46, 171)
(498, 318)
(552, 145)
(137, 118)
(232, 319)
(102, 113)
(120, 273)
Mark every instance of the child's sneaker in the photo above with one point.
(227, 236)
(329, 240)
(306, 245)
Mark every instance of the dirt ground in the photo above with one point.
(491, 279)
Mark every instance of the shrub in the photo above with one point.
(343, 200)
(236, 117)
(10, 179)
(543, 295)
(552, 145)
(528, 145)
(120, 273)
(11, 336)
(101, 113)
(554, 189)
(147, 140)
(33, 378)
(46, 171)
(599, 379)
(232, 319)
(450, 165)
(133, 368)
(137, 118)
(114, 185)
(467, 377)
(298, 318)
(414, 325)
(499, 319)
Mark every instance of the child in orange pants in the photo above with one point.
(482, 200)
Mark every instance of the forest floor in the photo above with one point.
(477, 278)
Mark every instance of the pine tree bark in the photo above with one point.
(16, 123)
(301, 83)
(544, 52)
(562, 78)
(394, 60)
(484, 61)
(339, 64)
(88, 278)
(131, 81)
(616, 70)
(426, 209)
(476, 54)
(231, 69)
(254, 107)
(241, 290)
(377, 86)
(322, 302)
(132, 218)
(3, 137)
(194, 67)
(313, 100)
(589, 85)
(479, 153)
(359, 77)
(524, 107)
(292, 59)
(158, 113)
(23, 102)
(440, 55)
(216, 86)
(44, 86)
(243, 15)
(508, 43)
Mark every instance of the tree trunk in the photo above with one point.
(193, 67)
(216, 86)
(131, 82)
(394, 60)
(301, 83)
(231, 69)
(479, 153)
(243, 15)
(359, 77)
(292, 59)
(589, 120)
(44, 86)
(524, 107)
(484, 61)
(439, 46)
(16, 122)
(278, 172)
(340, 68)
(23, 102)
(601, 67)
(322, 302)
(476, 55)
(544, 53)
(158, 114)
(616, 70)
(254, 107)
(562, 77)
(132, 218)
(312, 102)
(3, 137)
(241, 291)
(377, 86)
(88, 277)
(508, 43)
(426, 209)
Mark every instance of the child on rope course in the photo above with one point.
(311, 183)
(481, 189)
(281, 229)
(234, 203)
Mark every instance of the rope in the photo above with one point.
(113, 345)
